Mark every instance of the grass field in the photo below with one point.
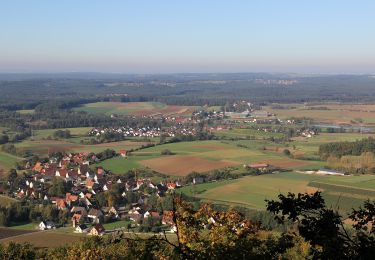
(26, 111)
(135, 108)
(203, 156)
(120, 165)
(243, 133)
(344, 192)
(329, 112)
(116, 224)
(7, 161)
(24, 226)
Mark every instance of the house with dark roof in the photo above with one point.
(81, 228)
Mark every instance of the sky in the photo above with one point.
(171, 36)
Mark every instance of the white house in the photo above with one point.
(81, 228)
(147, 214)
(45, 225)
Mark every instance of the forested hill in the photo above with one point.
(28, 90)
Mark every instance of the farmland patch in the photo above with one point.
(9, 232)
(183, 165)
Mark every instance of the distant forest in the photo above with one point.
(27, 91)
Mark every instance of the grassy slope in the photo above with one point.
(120, 165)
(116, 224)
(252, 191)
(8, 161)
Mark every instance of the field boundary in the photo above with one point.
(341, 188)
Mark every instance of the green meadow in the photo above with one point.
(8, 161)
(119, 107)
(341, 192)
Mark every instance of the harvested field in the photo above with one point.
(295, 152)
(9, 233)
(41, 238)
(46, 146)
(330, 113)
(349, 107)
(183, 165)
(285, 163)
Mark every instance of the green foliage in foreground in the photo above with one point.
(324, 227)
(319, 233)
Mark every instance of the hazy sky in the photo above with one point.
(328, 36)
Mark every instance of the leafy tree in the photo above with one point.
(101, 199)
(166, 152)
(62, 134)
(9, 148)
(63, 217)
(286, 152)
(17, 251)
(12, 176)
(57, 188)
(4, 139)
(324, 227)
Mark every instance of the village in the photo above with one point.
(91, 197)
(147, 131)
(86, 197)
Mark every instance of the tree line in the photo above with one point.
(339, 149)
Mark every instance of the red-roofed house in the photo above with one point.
(69, 198)
(38, 167)
(167, 218)
(61, 173)
(100, 170)
(171, 185)
(123, 153)
(60, 204)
